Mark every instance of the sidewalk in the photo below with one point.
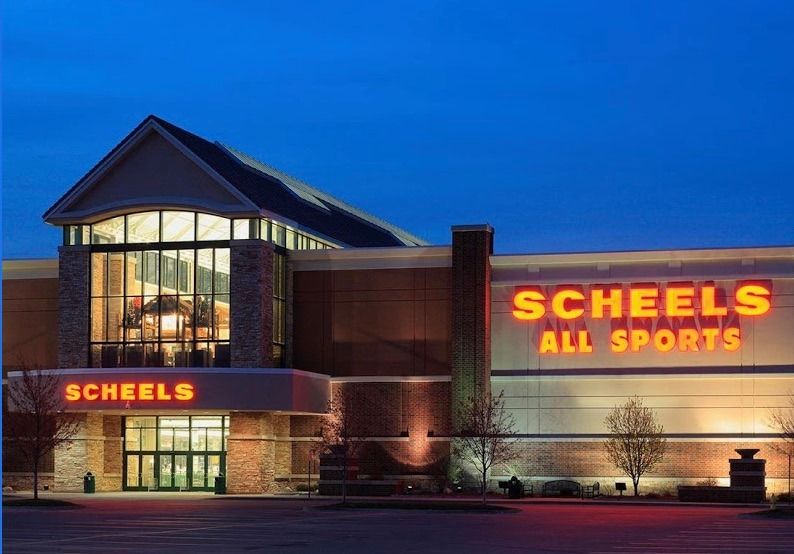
(413, 499)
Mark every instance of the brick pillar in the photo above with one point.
(74, 301)
(472, 246)
(250, 455)
(95, 448)
(251, 303)
(283, 453)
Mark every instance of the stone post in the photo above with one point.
(250, 455)
(74, 301)
(251, 288)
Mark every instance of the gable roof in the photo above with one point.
(273, 192)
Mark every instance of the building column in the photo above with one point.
(96, 448)
(472, 246)
(251, 288)
(250, 453)
(283, 454)
(74, 300)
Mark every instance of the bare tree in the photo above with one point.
(342, 437)
(636, 443)
(484, 437)
(37, 422)
(782, 420)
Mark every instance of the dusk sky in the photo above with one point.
(569, 126)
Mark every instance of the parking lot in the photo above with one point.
(173, 523)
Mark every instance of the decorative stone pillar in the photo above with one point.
(283, 453)
(74, 301)
(250, 453)
(251, 288)
(472, 246)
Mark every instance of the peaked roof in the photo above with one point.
(272, 191)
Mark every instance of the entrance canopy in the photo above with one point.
(207, 389)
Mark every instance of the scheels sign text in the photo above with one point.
(129, 392)
(679, 316)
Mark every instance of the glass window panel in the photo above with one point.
(206, 421)
(179, 226)
(134, 281)
(175, 421)
(99, 274)
(198, 439)
(109, 355)
(151, 272)
(169, 320)
(115, 319)
(203, 322)
(264, 229)
(165, 471)
(149, 439)
(279, 234)
(140, 421)
(204, 270)
(133, 317)
(242, 229)
(133, 355)
(168, 271)
(110, 231)
(166, 438)
(201, 355)
(143, 227)
(132, 439)
(290, 239)
(214, 439)
(222, 266)
(185, 318)
(98, 313)
(212, 227)
(150, 319)
(116, 274)
(184, 271)
(181, 439)
(222, 357)
(152, 356)
(221, 317)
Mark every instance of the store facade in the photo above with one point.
(204, 306)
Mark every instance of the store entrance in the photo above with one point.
(166, 453)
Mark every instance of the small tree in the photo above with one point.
(341, 434)
(36, 422)
(782, 420)
(636, 443)
(484, 437)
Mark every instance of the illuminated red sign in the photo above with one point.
(180, 392)
(697, 318)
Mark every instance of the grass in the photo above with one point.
(39, 503)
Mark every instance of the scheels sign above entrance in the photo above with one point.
(679, 316)
(180, 392)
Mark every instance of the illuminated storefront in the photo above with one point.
(204, 306)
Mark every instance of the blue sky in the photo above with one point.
(569, 126)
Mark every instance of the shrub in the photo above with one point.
(710, 482)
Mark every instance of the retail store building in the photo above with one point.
(204, 306)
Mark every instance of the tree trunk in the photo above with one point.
(36, 480)
(484, 482)
(636, 483)
(344, 479)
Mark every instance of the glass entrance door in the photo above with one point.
(140, 472)
(204, 469)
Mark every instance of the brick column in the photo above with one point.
(283, 453)
(250, 454)
(472, 246)
(74, 301)
(251, 289)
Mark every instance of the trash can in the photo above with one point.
(220, 484)
(515, 488)
(89, 483)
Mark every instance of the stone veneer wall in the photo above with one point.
(96, 448)
(74, 301)
(472, 246)
(686, 462)
(251, 289)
